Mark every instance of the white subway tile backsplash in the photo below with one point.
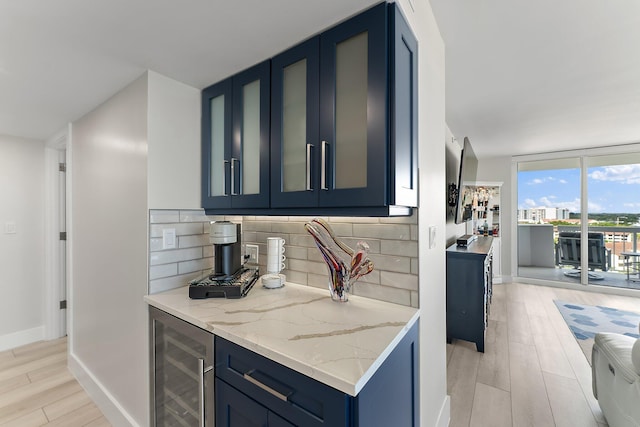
(385, 293)
(391, 263)
(194, 216)
(193, 240)
(182, 229)
(171, 268)
(393, 246)
(383, 231)
(393, 249)
(175, 255)
(164, 270)
(166, 283)
(398, 247)
(399, 280)
(163, 216)
(195, 265)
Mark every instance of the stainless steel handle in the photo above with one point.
(323, 166)
(309, 147)
(201, 371)
(224, 177)
(247, 376)
(233, 177)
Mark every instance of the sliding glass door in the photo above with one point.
(579, 219)
(613, 185)
(548, 198)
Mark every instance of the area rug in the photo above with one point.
(585, 320)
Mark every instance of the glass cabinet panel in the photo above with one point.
(217, 146)
(351, 112)
(250, 139)
(294, 126)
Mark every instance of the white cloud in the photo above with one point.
(623, 174)
(562, 181)
(530, 203)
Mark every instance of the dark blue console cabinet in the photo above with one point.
(253, 390)
(469, 288)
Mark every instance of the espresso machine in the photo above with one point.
(229, 278)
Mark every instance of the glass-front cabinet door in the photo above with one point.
(235, 131)
(294, 130)
(353, 113)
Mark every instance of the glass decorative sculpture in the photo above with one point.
(345, 265)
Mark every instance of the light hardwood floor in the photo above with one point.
(533, 373)
(37, 389)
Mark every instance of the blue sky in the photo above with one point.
(612, 189)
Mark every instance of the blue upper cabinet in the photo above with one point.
(343, 126)
(235, 141)
(344, 123)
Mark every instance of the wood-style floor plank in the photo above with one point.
(496, 356)
(529, 347)
(491, 407)
(32, 419)
(461, 384)
(529, 402)
(36, 389)
(569, 410)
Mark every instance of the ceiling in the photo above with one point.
(535, 76)
(521, 76)
(60, 59)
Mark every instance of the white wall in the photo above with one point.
(498, 169)
(174, 144)
(108, 238)
(434, 403)
(22, 253)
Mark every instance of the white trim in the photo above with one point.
(54, 321)
(596, 151)
(51, 256)
(108, 404)
(444, 417)
(16, 339)
(611, 290)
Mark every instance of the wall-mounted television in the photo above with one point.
(466, 183)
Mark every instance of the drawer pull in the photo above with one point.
(247, 376)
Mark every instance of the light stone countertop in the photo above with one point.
(339, 344)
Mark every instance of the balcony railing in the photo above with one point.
(618, 238)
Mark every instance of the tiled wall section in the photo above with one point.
(393, 243)
(193, 255)
(393, 246)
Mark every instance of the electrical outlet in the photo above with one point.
(252, 252)
(10, 228)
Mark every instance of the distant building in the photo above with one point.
(542, 214)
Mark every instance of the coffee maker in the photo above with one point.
(227, 248)
(229, 278)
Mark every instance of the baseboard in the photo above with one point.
(445, 413)
(109, 406)
(16, 339)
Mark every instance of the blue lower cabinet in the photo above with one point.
(253, 390)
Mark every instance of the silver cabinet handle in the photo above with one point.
(247, 376)
(233, 177)
(224, 177)
(201, 371)
(323, 166)
(309, 148)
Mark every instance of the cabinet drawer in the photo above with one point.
(295, 397)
